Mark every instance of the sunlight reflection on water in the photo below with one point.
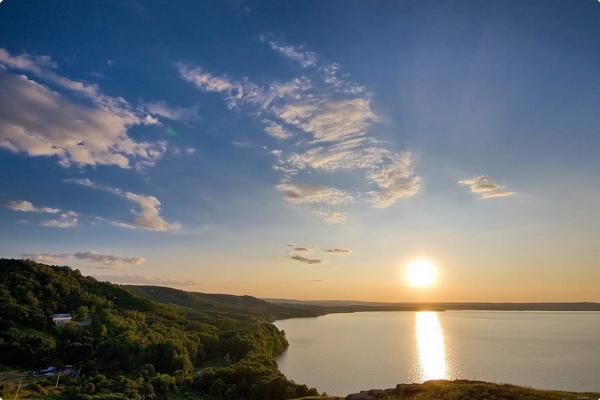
(430, 346)
(346, 353)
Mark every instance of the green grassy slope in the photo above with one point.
(462, 390)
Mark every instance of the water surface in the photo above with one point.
(345, 353)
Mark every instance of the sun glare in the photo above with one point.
(421, 273)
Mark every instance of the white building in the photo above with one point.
(61, 319)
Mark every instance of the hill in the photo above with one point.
(226, 303)
(134, 347)
(145, 342)
(446, 306)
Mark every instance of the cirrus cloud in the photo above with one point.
(485, 188)
(330, 118)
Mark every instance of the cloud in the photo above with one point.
(46, 258)
(27, 206)
(295, 53)
(108, 259)
(147, 215)
(332, 121)
(320, 199)
(313, 194)
(334, 217)
(39, 121)
(67, 219)
(204, 80)
(485, 188)
(301, 250)
(145, 280)
(306, 260)
(339, 252)
(105, 261)
(163, 110)
(276, 130)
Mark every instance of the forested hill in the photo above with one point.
(226, 303)
(134, 347)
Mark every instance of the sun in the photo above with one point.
(421, 273)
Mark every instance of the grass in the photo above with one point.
(464, 390)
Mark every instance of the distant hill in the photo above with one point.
(354, 304)
(207, 302)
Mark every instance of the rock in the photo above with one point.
(360, 396)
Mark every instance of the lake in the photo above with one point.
(346, 353)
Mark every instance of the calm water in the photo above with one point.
(344, 353)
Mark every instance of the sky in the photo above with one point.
(306, 150)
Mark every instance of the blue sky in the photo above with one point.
(306, 149)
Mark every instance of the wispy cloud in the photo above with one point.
(27, 206)
(295, 53)
(145, 280)
(320, 199)
(64, 219)
(306, 260)
(163, 110)
(485, 188)
(338, 251)
(99, 260)
(147, 215)
(308, 194)
(47, 258)
(38, 121)
(108, 259)
(300, 253)
(331, 120)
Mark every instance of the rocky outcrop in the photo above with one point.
(372, 394)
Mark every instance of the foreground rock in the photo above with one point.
(463, 390)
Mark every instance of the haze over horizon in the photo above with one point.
(308, 150)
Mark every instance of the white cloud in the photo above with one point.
(46, 258)
(163, 110)
(333, 121)
(147, 215)
(38, 121)
(319, 195)
(105, 261)
(65, 220)
(27, 206)
(295, 53)
(204, 80)
(330, 121)
(145, 280)
(276, 130)
(319, 199)
(485, 188)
